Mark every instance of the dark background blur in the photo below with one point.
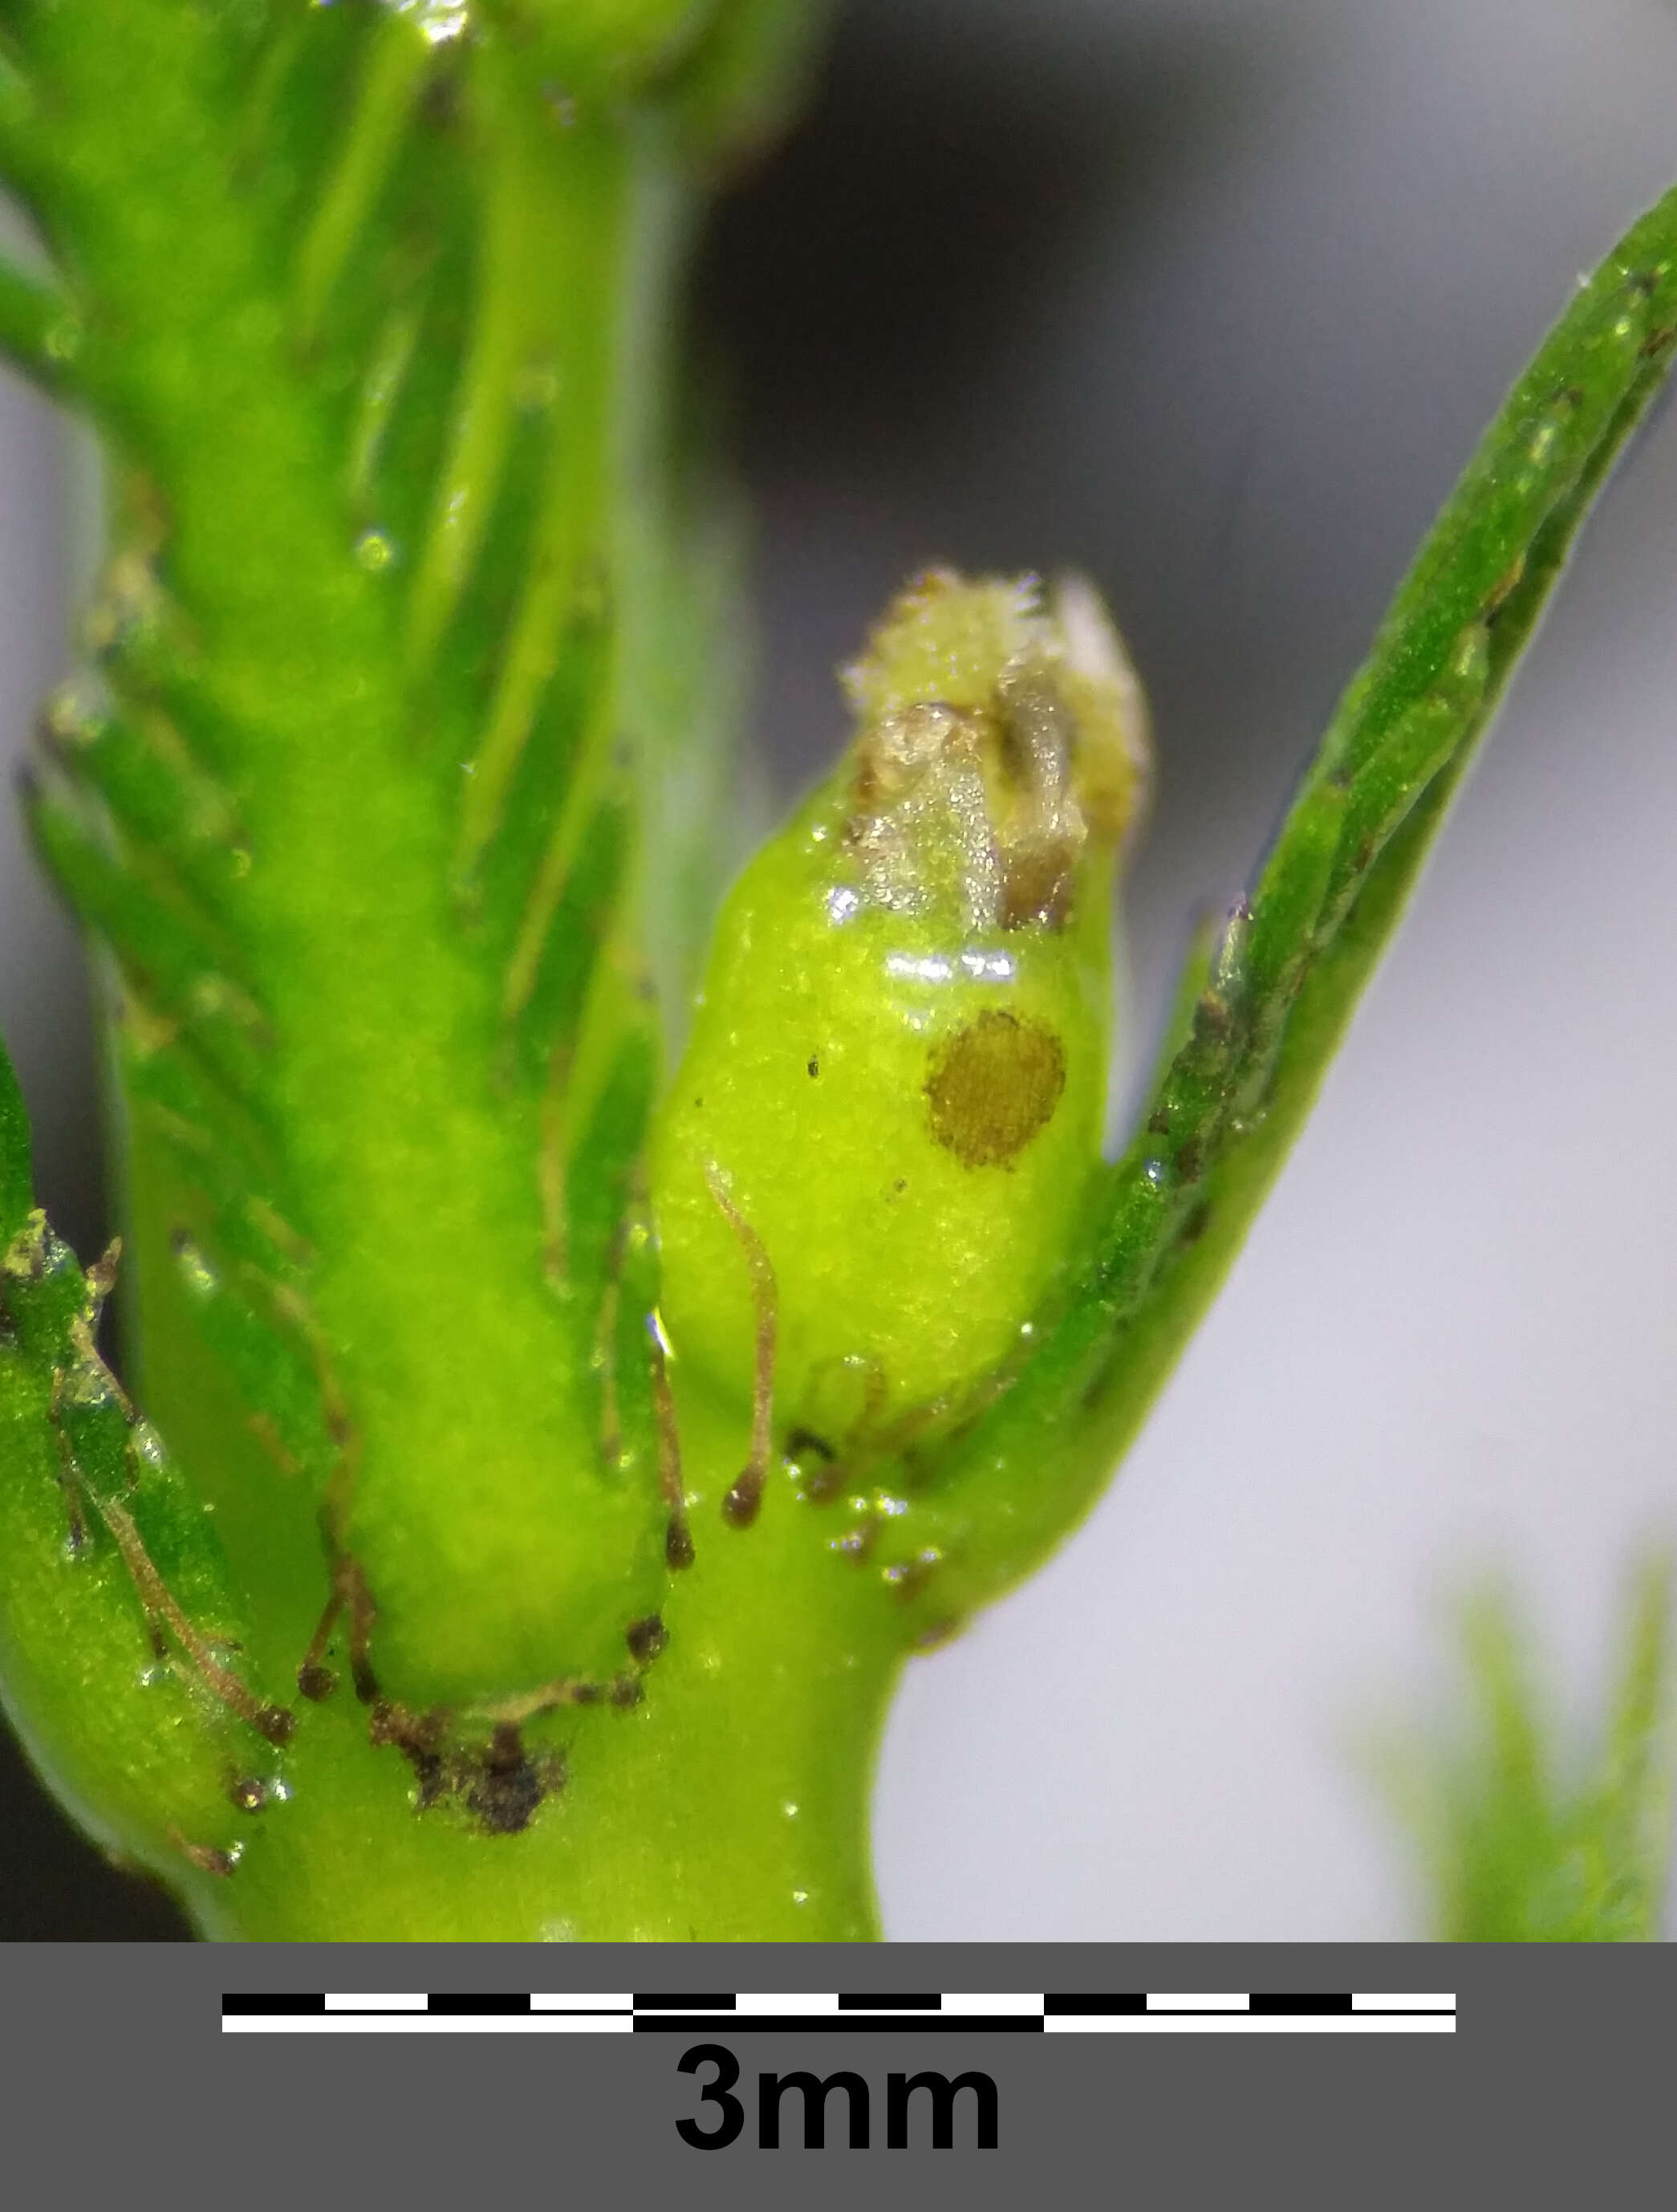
(1209, 298)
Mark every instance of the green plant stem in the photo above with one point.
(730, 1804)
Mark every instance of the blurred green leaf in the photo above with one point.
(1520, 1839)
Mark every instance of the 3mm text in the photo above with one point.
(922, 2101)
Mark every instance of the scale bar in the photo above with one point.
(959, 2012)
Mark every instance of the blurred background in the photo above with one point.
(1210, 299)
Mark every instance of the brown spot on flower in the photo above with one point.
(992, 1085)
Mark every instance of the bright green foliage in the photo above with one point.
(396, 796)
(1521, 1846)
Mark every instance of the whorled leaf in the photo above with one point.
(1285, 977)
(398, 792)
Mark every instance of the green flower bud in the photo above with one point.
(881, 1136)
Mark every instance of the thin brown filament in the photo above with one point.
(678, 1537)
(273, 1722)
(739, 1507)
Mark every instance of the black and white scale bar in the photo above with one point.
(958, 2011)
